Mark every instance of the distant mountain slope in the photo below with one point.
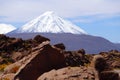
(49, 22)
(59, 30)
(5, 28)
(91, 44)
(118, 45)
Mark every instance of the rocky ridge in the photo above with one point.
(23, 58)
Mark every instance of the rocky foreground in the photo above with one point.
(37, 59)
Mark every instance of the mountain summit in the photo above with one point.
(49, 22)
(6, 28)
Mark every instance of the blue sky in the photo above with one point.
(96, 17)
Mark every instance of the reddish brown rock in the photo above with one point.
(69, 73)
(7, 76)
(116, 64)
(44, 59)
(16, 56)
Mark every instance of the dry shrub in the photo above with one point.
(100, 63)
(13, 68)
(3, 66)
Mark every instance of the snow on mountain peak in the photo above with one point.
(49, 22)
(48, 13)
(6, 28)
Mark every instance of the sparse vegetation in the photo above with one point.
(99, 63)
(3, 66)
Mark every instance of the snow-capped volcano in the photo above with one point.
(6, 28)
(49, 22)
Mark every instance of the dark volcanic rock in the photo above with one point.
(60, 45)
(9, 44)
(15, 44)
(2, 36)
(9, 47)
(40, 39)
(82, 51)
(114, 51)
(75, 58)
(109, 75)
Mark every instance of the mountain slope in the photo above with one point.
(71, 35)
(6, 28)
(49, 22)
(91, 44)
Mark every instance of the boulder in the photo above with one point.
(82, 51)
(40, 39)
(60, 46)
(43, 58)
